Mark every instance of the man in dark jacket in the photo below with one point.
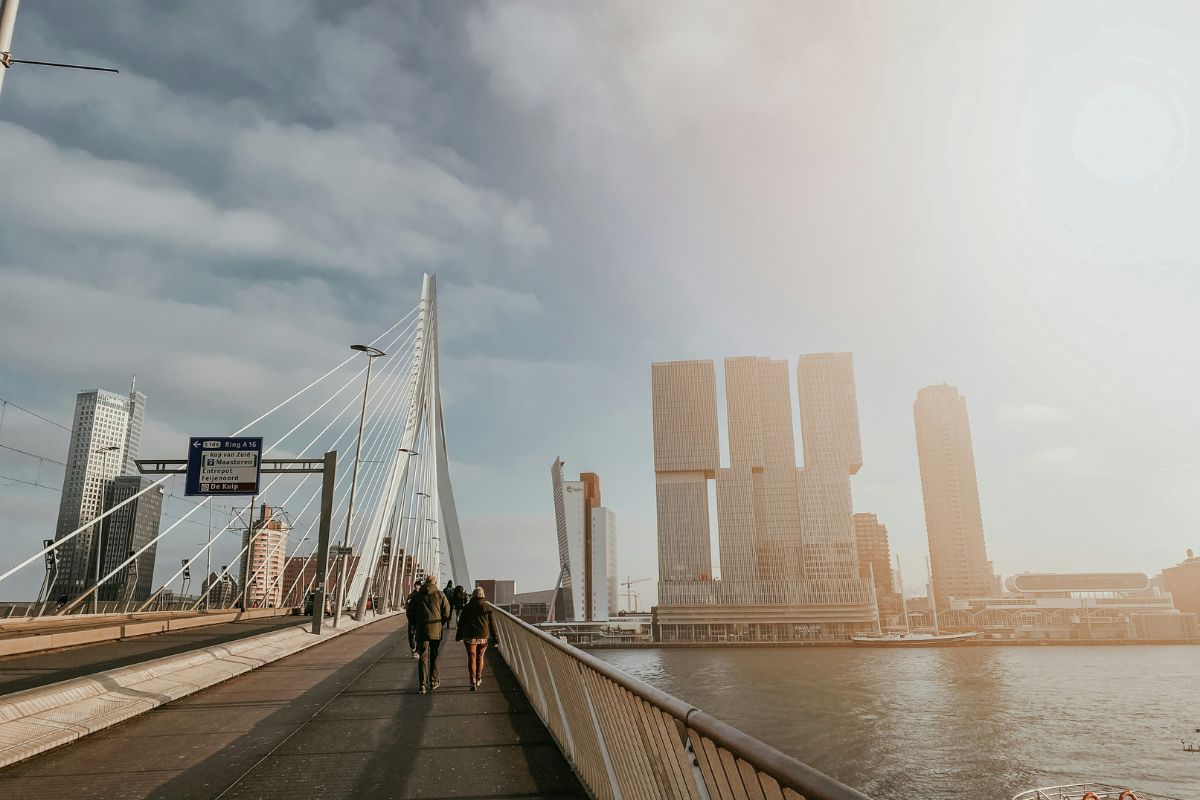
(431, 611)
(459, 601)
(449, 592)
(410, 606)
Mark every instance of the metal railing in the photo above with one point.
(626, 739)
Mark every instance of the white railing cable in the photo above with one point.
(95, 588)
(323, 377)
(317, 438)
(58, 542)
(383, 387)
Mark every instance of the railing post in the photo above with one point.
(608, 765)
(327, 483)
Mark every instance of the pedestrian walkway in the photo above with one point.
(38, 669)
(339, 720)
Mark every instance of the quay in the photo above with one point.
(342, 718)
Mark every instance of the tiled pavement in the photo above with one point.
(338, 720)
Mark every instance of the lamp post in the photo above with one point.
(98, 533)
(372, 354)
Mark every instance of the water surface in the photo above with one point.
(977, 723)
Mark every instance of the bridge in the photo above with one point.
(234, 693)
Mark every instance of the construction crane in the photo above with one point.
(630, 594)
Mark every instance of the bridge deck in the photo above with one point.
(338, 720)
(28, 670)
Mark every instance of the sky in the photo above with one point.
(996, 196)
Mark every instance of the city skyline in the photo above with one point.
(1049, 281)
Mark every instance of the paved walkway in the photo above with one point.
(339, 720)
(38, 669)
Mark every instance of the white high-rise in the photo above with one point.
(587, 547)
(106, 434)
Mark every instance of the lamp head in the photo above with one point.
(373, 352)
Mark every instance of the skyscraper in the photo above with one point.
(953, 519)
(127, 530)
(266, 550)
(587, 547)
(758, 505)
(832, 453)
(875, 562)
(686, 455)
(829, 411)
(106, 433)
(788, 568)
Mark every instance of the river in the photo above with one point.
(969, 723)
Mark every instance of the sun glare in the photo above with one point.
(1125, 134)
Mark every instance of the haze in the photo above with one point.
(997, 196)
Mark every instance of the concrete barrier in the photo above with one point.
(37, 720)
(137, 626)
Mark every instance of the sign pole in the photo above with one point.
(251, 532)
(327, 485)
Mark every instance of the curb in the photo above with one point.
(36, 720)
(49, 640)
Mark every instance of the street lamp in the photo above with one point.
(98, 534)
(372, 354)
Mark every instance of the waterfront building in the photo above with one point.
(106, 434)
(953, 519)
(127, 530)
(587, 547)
(1183, 583)
(785, 537)
(499, 593)
(532, 607)
(1081, 605)
(264, 547)
(224, 589)
(875, 564)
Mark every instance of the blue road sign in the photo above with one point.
(223, 465)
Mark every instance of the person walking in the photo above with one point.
(449, 592)
(431, 612)
(475, 631)
(460, 600)
(410, 607)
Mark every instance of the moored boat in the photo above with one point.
(1089, 791)
(910, 639)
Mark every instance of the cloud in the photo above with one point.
(468, 311)
(1030, 414)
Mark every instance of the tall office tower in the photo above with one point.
(953, 519)
(758, 508)
(832, 453)
(266, 552)
(829, 411)
(788, 566)
(587, 548)
(127, 530)
(105, 436)
(875, 562)
(686, 455)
